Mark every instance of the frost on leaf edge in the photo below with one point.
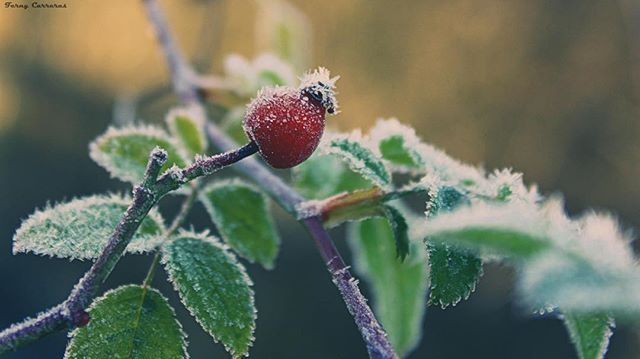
(214, 241)
(42, 214)
(106, 162)
(97, 301)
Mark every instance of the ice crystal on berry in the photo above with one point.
(319, 85)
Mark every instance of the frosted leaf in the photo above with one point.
(400, 231)
(399, 288)
(589, 333)
(505, 185)
(576, 285)
(561, 230)
(397, 144)
(596, 237)
(129, 322)
(80, 229)
(430, 183)
(322, 176)
(514, 230)
(431, 159)
(582, 266)
(187, 125)
(214, 287)
(353, 149)
(596, 270)
(285, 30)
(242, 215)
(445, 199)
(601, 239)
(124, 152)
(454, 275)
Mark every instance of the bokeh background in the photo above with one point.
(549, 87)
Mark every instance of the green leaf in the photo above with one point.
(486, 240)
(124, 152)
(589, 333)
(80, 229)
(400, 231)
(359, 158)
(507, 186)
(214, 287)
(445, 199)
(242, 216)
(454, 275)
(514, 230)
(395, 150)
(590, 269)
(399, 288)
(578, 286)
(187, 125)
(129, 322)
(400, 145)
(322, 176)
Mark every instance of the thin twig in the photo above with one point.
(71, 312)
(372, 332)
(178, 221)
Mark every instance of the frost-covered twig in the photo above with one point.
(71, 312)
(372, 332)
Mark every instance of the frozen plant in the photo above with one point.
(583, 270)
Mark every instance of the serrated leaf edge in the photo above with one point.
(96, 301)
(577, 341)
(232, 257)
(41, 214)
(105, 161)
(471, 289)
(327, 147)
(385, 129)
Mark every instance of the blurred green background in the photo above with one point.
(549, 87)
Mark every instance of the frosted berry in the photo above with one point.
(287, 123)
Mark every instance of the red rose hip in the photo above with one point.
(287, 123)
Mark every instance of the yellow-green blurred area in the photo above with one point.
(548, 87)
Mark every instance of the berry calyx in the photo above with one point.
(287, 123)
